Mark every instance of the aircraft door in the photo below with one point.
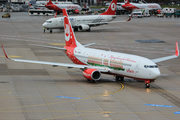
(137, 68)
(56, 23)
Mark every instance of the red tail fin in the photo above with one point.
(49, 2)
(111, 9)
(68, 32)
(30, 4)
(126, 1)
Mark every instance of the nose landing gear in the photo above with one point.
(147, 83)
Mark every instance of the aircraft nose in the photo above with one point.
(44, 24)
(156, 73)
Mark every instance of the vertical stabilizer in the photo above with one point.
(49, 2)
(70, 38)
(111, 9)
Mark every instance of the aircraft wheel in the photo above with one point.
(147, 85)
(75, 29)
(119, 78)
(50, 31)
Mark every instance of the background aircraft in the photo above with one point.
(131, 6)
(93, 62)
(85, 22)
(58, 7)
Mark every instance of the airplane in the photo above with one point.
(85, 22)
(58, 7)
(131, 6)
(94, 62)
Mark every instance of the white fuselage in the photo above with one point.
(119, 63)
(58, 23)
(147, 6)
(69, 6)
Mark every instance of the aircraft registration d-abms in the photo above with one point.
(85, 22)
(94, 62)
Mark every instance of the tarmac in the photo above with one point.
(41, 92)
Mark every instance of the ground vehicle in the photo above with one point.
(168, 10)
(41, 12)
(160, 15)
(7, 15)
(177, 13)
(168, 14)
(136, 14)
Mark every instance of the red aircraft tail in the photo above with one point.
(68, 31)
(49, 2)
(111, 9)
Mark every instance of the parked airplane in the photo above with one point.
(131, 6)
(85, 22)
(93, 62)
(58, 7)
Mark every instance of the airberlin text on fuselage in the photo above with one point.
(152, 6)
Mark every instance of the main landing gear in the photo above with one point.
(50, 30)
(147, 83)
(119, 78)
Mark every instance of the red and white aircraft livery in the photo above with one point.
(131, 6)
(85, 22)
(93, 62)
(58, 7)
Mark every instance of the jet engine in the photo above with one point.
(92, 74)
(84, 27)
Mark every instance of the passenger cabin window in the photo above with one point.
(150, 66)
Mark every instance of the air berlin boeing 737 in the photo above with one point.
(93, 62)
(85, 22)
(131, 6)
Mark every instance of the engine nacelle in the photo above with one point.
(84, 27)
(92, 74)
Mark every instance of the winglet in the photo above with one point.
(177, 49)
(5, 52)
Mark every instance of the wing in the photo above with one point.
(103, 23)
(54, 64)
(168, 57)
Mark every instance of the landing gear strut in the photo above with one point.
(119, 78)
(50, 31)
(147, 84)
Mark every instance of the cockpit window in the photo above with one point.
(48, 21)
(150, 66)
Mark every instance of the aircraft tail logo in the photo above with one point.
(67, 32)
(111, 9)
